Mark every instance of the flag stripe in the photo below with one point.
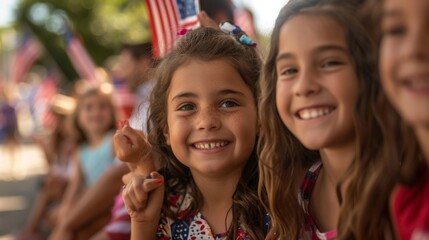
(28, 52)
(166, 20)
(81, 60)
(153, 28)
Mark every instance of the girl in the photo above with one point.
(315, 92)
(202, 130)
(93, 123)
(58, 149)
(404, 63)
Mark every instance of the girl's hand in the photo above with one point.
(130, 144)
(143, 197)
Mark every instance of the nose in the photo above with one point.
(306, 83)
(415, 46)
(208, 118)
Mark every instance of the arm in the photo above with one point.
(143, 194)
(97, 198)
(73, 187)
(143, 198)
(59, 232)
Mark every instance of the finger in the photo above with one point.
(132, 202)
(136, 137)
(120, 140)
(127, 202)
(139, 204)
(126, 179)
(140, 192)
(151, 184)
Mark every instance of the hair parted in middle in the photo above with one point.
(206, 44)
(282, 156)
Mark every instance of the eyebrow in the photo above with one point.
(193, 95)
(388, 13)
(320, 49)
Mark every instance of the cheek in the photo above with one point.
(283, 100)
(386, 66)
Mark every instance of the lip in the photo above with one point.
(314, 111)
(418, 82)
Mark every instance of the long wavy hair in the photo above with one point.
(384, 161)
(206, 44)
(282, 156)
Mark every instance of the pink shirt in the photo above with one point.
(411, 210)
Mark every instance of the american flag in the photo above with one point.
(79, 57)
(29, 50)
(167, 17)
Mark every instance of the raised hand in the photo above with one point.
(130, 144)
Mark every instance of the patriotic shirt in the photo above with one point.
(194, 227)
(310, 229)
(411, 210)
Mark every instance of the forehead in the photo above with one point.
(411, 8)
(206, 76)
(309, 31)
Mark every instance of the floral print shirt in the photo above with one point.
(194, 227)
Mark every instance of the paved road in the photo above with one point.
(20, 174)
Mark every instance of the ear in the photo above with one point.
(166, 135)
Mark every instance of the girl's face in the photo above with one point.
(404, 58)
(316, 82)
(95, 114)
(211, 118)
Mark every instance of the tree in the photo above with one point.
(103, 25)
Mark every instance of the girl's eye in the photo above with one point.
(228, 104)
(394, 31)
(186, 107)
(288, 71)
(331, 63)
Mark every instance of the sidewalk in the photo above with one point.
(20, 174)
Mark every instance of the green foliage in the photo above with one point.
(103, 25)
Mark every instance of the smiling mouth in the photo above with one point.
(311, 113)
(417, 84)
(210, 145)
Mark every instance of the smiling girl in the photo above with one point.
(202, 131)
(316, 84)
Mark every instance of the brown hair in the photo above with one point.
(78, 134)
(282, 156)
(397, 160)
(206, 44)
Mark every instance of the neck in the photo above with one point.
(210, 187)
(422, 134)
(336, 161)
(94, 139)
(216, 207)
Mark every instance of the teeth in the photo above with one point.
(314, 113)
(208, 146)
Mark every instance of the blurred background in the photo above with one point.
(40, 43)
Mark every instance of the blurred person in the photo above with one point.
(135, 62)
(8, 129)
(58, 149)
(93, 123)
(219, 10)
